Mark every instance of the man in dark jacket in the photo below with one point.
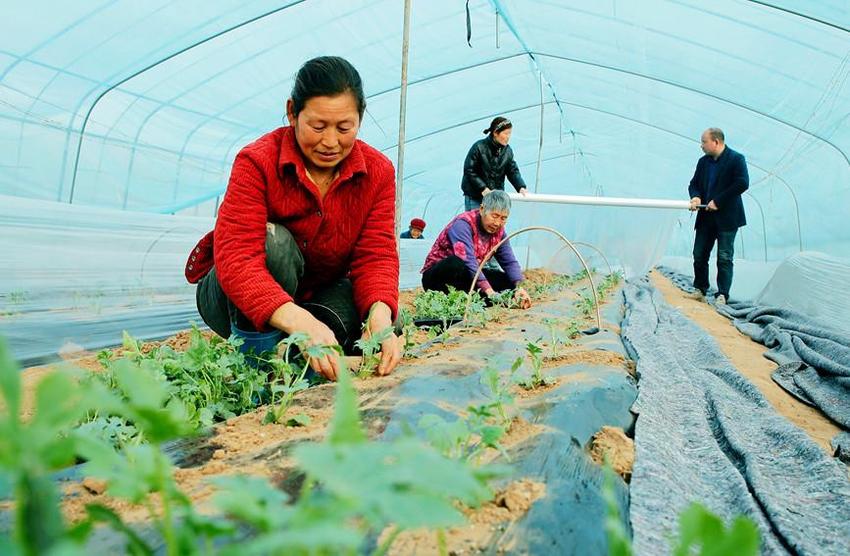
(720, 179)
(487, 164)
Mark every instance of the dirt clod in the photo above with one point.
(612, 442)
(94, 486)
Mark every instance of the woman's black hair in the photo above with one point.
(327, 76)
(499, 123)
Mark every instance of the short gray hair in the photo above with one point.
(496, 200)
(717, 134)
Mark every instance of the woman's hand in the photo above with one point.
(380, 318)
(291, 318)
(522, 298)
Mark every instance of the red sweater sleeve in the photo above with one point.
(374, 261)
(240, 245)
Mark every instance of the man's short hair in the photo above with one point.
(717, 134)
(496, 200)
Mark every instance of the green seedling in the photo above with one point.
(371, 348)
(408, 328)
(701, 529)
(115, 431)
(352, 486)
(609, 283)
(32, 449)
(499, 385)
(619, 541)
(586, 305)
(143, 471)
(535, 357)
(506, 299)
(557, 337)
(211, 377)
(466, 438)
(289, 376)
(573, 329)
(446, 307)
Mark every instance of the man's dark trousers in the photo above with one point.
(706, 235)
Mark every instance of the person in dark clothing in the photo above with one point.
(463, 244)
(417, 226)
(488, 162)
(720, 179)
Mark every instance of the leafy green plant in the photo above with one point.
(289, 377)
(701, 529)
(506, 299)
(535, 356)
(211, 377)
(408, 328)
(352, 486)
(619, 541)
(586, 305)
(609, 283)
(465, 438)
(139, 472)
(573, 329)
(115, 431)
(445, 307)
(499, 385)
(31, 449)
(557, 336)
(371, 348)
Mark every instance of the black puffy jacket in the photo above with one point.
(486, 165)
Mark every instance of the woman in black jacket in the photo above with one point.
(487, 164)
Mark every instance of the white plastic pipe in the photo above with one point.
(600, 201)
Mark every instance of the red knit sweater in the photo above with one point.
(348, 233)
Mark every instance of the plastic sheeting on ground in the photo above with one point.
(841, 446)
(568, 520)
(814, 361)
(802, 315)
(704, 433)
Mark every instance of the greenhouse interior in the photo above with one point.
(425, 277)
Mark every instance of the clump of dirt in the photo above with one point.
(613, 444)
(507, 505)
(519, 431)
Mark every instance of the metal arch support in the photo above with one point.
(585, 244)
(796, 211)
(801, 14)
(763, 225)
(562, 238)
(135, 74)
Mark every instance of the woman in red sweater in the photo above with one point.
(304, 240)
